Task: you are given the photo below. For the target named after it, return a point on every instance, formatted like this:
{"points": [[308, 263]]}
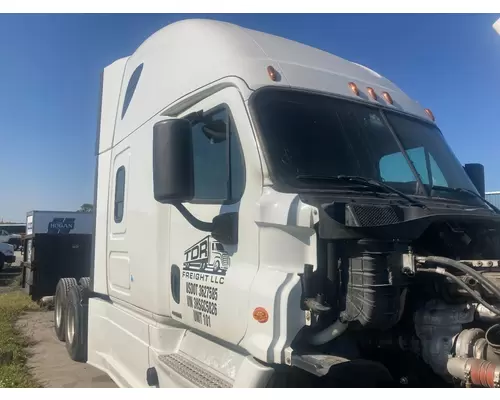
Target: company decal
{"points": [[204, 269], [29, 225], [61, 225]]}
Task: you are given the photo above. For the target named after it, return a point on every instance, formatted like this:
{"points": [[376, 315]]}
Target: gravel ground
{"points": [[49, 361]]}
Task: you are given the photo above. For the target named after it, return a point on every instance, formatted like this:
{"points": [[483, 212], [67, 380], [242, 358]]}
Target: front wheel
{"points": [[217, 266], [2, 261]]}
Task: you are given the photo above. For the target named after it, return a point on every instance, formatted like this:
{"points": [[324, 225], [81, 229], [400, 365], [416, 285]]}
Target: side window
{"points": [[417, 157], [438, 178], [119, 194], [218, 161], [394, 168], [132, 85]]}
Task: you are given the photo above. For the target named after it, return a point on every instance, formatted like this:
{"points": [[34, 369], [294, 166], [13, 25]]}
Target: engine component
{"points": [[483, 314], [474, 343], [482, 263], [493, 339], [328, 334], [492, 274], [468, 342], [485, 282], [461, 283], [375, 286], [436, 324], [475, 372], [409, 267]]}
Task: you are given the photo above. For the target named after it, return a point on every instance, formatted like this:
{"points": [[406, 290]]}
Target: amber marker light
{"points": [[260, 315], [372, 93], [273, 74], [354, 88], [387, 97], [430, 114]]}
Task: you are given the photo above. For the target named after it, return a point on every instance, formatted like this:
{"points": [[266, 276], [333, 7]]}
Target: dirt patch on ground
{"points": [[49, 361]]}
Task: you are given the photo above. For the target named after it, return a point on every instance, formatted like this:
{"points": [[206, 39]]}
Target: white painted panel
{"points": [[119, 271], [62, 222]]}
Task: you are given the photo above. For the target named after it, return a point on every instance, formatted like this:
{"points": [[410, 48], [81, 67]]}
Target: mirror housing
{"points": [[173, 166], [225, 228], [173, 176], [476, 175]]}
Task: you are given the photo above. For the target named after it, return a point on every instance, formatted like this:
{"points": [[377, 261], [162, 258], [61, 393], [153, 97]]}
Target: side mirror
{"points": [[476, 175], [173, 169]]}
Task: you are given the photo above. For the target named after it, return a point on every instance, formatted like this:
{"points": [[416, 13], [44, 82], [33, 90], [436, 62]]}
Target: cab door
{"points": [[215, 277]]}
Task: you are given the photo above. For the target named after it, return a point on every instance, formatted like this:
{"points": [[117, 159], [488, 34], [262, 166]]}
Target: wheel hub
{"points": [[58, 313], [70, 327]]}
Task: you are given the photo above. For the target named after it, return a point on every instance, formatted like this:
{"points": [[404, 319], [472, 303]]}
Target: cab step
{"points": [[189, 369]]}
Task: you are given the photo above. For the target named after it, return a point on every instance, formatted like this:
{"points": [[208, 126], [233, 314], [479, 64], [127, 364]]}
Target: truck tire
{"points": [[76, 324], [2, 261], [84, 282], [62, 289], [217, 266]]}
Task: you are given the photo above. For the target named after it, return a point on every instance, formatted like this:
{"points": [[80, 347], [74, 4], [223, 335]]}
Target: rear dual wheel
{"points": [[60, 300], [76, 318]]}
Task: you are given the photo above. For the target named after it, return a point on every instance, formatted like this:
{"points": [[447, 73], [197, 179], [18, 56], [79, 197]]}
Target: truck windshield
{"points": [[318, 136]]}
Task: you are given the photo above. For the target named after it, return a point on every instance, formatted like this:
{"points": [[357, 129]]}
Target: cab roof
{"points": [[188, 55]]}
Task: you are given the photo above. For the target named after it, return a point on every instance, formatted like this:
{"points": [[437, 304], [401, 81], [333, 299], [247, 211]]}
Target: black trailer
{"points": [[57, 245]]}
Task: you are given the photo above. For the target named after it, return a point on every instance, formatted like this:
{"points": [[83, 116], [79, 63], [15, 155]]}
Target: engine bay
{"points": [[424, 303]]}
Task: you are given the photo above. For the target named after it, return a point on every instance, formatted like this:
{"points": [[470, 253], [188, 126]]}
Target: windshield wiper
{"points": [[466, 191], [366, 182]]}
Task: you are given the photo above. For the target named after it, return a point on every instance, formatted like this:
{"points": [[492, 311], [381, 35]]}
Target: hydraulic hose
{"points": [[331, 332], [464, 286], [465, 269]]}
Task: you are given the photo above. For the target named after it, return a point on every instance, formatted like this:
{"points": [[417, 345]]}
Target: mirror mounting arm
{"points": [[195, 222]]}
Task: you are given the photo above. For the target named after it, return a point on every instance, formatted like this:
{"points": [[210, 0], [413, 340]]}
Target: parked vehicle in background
{"points": [[12, 233], [7, 255], [4, 236], [12, 239], [58, 244]]}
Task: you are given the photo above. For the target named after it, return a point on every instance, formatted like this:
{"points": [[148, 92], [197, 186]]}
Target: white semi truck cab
{"points": [[307, 225]]}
